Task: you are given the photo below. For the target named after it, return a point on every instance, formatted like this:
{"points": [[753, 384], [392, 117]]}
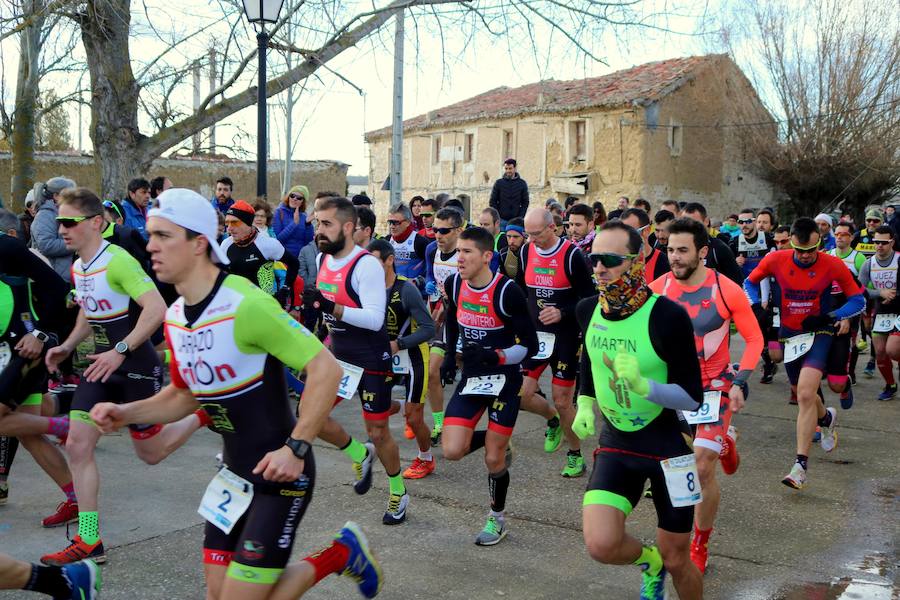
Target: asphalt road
{"points": [[837, 539]]}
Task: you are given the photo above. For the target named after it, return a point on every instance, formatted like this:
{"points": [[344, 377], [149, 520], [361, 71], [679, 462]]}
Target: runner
{"points": [[489, 219], [555, 277], [510, 262], [440, 261], [712, 302], [32, 309], [409, 328], [750, 245], [863, 241], [656, 263], [765, 221], [638, 373], [110, 285], [349, 291], [805, 278], [719, 257], [878, 277], [844, 347], [581, 227], [484, 310], [409, 247], [78, 581], [230, 343], [426, 213]]}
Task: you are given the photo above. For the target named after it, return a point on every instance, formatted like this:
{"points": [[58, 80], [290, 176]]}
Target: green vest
{"points": [[6, 307], [624, 409]]}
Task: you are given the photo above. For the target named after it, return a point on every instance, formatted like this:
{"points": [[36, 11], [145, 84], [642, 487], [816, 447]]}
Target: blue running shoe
{"points": [[361, 564], [85, 579], [654, 586], [888, 393], [847, 397]]}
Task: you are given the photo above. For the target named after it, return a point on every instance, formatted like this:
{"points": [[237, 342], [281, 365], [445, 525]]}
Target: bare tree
{"points": [[830, 70]]}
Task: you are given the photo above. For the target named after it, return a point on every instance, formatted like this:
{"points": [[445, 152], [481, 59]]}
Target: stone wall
{"points": [[196, 174]]}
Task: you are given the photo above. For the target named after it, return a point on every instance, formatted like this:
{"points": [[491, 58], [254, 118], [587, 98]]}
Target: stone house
{"points": [[670, 129]]}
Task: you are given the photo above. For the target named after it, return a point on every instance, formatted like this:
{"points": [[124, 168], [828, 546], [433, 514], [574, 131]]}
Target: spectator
{"points": [[671, 206], [661, 219], [826, 238], [365, 227], [415, 206], [361, 199], [262, 218], [427, 214], [510, 194], [222, 201], [135, 205], [621, 206], [45, 230], [643, 205], [549, 202], [290, 222], [308, 271], [570, 202], [27, 217], [158, 185], [220, 228], [730, 226], [440, 200], [599, 214]]}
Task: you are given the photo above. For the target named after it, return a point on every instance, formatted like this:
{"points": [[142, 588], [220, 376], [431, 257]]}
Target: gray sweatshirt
{"points": [[45, 239]]}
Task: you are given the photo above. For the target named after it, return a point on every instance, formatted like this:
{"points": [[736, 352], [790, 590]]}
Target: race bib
{"points": [[227, 497], [459, 345], [400, 363], [486, 385], [884, 323], [546, 343], [5, 355], [350, 380], [797, 346], [682, 480], [776, 317], [708, 411]]}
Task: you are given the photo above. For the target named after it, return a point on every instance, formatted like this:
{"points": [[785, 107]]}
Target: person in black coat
{"points": [[510, 194]]}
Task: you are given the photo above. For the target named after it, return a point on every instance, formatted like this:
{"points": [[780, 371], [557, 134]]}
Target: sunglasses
{"points": [[295, 197], [609, 259], [882, 242], [112, 206], [70, 222], [873, 220], [443, 230], [395, 223], [745, 221], [426, 214], [807, 250], [783, 242]]}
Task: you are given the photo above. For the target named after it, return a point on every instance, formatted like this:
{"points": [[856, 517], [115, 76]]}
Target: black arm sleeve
{"points": [[293, 267], [672, 334], [451, 325], [415, 305], [725, 263], [48, 289], [512, 301], [583, 312], [523, 260]]}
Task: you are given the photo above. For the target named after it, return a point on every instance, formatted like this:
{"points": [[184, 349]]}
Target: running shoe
{"points": [[361, 564], [396, 512], [653, 586], [862, 345], [552, 438], [75, 552], [436, 435], [869, 371], [419, 469], [888, 393], [363, 470], [66, 512], [769, 373], [408, 432], [85, 579], [700, 554], [729, 456], [829, 434], [575, 466], [494, 531], [4, 493], [847, 397], [796, 478], [68, 383]]}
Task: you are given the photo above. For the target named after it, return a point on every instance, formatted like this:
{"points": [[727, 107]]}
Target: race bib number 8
{"points": [[884, 323], [682, 480], [546, 343], [350, 380], [486, 385], [400, 363], [708, 411], [797, 346], [226, 499]]}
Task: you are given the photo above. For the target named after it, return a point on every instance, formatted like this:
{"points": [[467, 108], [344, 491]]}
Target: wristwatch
{"points": [[122, 348], [300, 448], [40, 335]]}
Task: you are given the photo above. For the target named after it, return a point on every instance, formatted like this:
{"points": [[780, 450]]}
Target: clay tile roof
{"points": [[638, 85]]}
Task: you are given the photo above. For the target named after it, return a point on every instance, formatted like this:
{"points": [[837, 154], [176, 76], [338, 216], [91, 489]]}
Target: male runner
{"points": [[581, 227], [427, 213], [440, 261], [878, 277], [122, 308], [636, 370], [230, 343], [845, 346], [78, 581], [489, 220], [805, 276], [32, 313], [750, 245], [765, 221], [410, 328], [720, 256], [555, 277], [712, 302], [510, 262], [485, 310], [409, 247], [349, 291], [863, 241], [656, 263]]}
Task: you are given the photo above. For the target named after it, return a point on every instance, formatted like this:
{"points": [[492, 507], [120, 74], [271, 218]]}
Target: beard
{"points": [[689, 269], [328, 247]]}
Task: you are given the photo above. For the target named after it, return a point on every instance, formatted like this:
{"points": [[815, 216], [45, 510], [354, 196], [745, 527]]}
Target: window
{"points": [[469, 147], [675, 138], [577, 141], [507, 144], [436, 149]]}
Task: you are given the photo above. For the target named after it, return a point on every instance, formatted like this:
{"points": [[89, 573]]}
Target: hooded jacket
{"points": [[293, 236], [45, 239]]}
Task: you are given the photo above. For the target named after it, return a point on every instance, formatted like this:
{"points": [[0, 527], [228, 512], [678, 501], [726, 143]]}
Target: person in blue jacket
{"points": [[290, 222]]}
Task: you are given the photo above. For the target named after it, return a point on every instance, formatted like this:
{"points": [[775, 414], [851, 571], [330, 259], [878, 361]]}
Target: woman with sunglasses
{"points": [[635, 368], [290, 223]]}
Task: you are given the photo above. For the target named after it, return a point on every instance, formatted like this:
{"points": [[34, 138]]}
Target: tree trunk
{"points": [[22, 141], [114, 99]]}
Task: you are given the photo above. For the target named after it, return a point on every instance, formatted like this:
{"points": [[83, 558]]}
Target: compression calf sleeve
{"points": [[49, 580], [8, 448], [355, 450], [498, 484]]}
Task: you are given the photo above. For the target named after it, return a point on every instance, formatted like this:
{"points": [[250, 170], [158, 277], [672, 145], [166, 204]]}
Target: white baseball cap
{"points": [[192, 211], [825, 219]]}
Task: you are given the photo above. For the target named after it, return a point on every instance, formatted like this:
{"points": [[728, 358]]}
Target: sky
{"points": [[443, 65]]}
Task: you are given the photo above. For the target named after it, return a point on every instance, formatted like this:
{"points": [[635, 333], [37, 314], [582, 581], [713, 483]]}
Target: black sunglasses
{"points": [[609, 259], [394, 223], [70, 222], [882, 242], [295, 197], [745, 221]]}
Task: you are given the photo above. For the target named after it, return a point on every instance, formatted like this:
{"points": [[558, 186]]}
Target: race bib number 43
{"points": [[682, 480], [227, 497], [884, 323]]}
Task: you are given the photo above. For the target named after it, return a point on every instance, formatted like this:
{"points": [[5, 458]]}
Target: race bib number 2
{"points": [[682, 480], [486, 385], [226, 499]]}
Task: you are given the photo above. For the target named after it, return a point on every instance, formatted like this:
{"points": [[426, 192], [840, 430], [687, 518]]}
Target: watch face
{"points": [[121, 347]]}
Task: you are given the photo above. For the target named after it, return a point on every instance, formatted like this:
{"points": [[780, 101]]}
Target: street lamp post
{"points": [[260, 12]]}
